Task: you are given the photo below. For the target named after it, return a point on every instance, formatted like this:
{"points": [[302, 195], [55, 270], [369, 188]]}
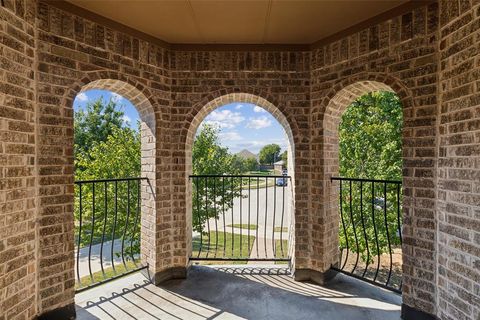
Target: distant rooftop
{"points": [[246, 154]]}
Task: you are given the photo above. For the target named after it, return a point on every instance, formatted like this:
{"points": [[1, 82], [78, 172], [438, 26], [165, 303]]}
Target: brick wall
{"points": [[433, 68], [459, 162], [75, 54], [277, 81], [398, 55], [18, 267]]}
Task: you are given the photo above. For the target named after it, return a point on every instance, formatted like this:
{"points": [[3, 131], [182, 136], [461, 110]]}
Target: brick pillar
{"points": [[458, 186], [18, 204]]}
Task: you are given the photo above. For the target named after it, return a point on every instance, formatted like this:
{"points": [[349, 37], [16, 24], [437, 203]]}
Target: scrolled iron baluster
{"points": [[79, 231], [214, 196], [388, 233], [364, 229], [91, 234], [104, 225], [126, 225], [344, 227], [375, 231], [137, 216], [266, 215]]}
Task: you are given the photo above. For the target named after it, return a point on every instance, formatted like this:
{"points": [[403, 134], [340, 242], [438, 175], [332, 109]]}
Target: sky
{"points": [[131, 114], [242, 125]]}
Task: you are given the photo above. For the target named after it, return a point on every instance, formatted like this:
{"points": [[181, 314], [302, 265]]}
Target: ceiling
{"points": [[239, 22]]}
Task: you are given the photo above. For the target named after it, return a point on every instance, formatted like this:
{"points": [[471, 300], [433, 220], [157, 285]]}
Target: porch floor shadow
{"points": [[238, 292]]}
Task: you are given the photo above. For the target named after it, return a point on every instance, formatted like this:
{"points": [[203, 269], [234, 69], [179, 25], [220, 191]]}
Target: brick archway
{"points": [[219, 99], [334, 104], [143, 101]]}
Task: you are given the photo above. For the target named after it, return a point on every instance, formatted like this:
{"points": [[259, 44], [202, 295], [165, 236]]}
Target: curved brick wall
{"points": [[429, 57]]}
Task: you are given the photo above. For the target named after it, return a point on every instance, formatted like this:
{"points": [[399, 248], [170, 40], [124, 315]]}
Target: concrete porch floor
{"points": [[237, 292]]}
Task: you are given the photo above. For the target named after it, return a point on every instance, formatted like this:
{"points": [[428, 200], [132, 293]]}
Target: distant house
{"points": [[245, 154], [279, 166]]}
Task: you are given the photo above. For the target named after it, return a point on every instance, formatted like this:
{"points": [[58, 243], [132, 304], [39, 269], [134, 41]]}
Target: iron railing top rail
{"points": [[110, 180], [365, 180], [236, 176]]}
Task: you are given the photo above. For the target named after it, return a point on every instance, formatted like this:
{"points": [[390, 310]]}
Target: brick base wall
{"points": [[428, 56]]}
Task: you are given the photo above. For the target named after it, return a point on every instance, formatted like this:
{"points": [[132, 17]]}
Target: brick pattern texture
{"points": [[74, 55], [398, 55], [429, 57], [458, 188], [18, 202]]}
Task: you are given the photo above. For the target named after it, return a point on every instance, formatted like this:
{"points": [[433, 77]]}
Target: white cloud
{"points": [[230, 136], [116, 97], [238, 106], [82, 96], [258, 109], [256, 145], [259, 123], [224, 119], [127, 119]]}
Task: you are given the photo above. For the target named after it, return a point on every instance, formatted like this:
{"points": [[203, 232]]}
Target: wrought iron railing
{"points": [[371, 230], [241, 217], [107, 230]]}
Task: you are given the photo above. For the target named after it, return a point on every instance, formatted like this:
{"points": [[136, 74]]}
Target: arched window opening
{"points": [[110, 184], [370, 175], [241, 186]]}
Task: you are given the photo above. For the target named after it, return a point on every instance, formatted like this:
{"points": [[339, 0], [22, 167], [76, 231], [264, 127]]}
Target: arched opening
{"points": [[251, 228], [364, 130], [114, 205]]}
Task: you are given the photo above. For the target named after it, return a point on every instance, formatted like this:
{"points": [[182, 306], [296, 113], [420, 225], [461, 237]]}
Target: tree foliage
{"points": [[95, 124], [250, 164], [284, 157], [371, 148], [269, 153], [116, 157], [212, 196], [371, 137], [105, 147]]}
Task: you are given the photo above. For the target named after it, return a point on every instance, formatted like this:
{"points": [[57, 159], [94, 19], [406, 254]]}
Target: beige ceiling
{"points": [[239, 22]]}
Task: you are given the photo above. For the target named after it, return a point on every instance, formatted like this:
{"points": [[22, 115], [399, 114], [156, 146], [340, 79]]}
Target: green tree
{"points": [[269, 153], [284, 157], [95, 124], [251, 164], [239, 164], [116, 157], [110, 210], [371, 137], [371, 148], [105, 147], [212, 195]]}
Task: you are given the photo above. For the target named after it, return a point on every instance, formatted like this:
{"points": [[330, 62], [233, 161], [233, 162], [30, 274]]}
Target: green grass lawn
{"points": [[243, 226], [257, 184], [260, 173], [109, 273], [280, 229], [278, 250], [220, 246]]}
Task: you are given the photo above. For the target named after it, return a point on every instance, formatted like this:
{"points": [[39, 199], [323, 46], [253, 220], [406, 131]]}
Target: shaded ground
{"points": [[382, 264], [233, 292]]}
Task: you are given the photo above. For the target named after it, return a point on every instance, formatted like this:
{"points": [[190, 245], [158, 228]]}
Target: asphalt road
{"points": [[262, 207], [270, 207]]}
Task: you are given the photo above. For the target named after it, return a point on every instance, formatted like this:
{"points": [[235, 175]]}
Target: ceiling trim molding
{"points": [[397, 11], [382, 17], [109, 23], [238, 47]]}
